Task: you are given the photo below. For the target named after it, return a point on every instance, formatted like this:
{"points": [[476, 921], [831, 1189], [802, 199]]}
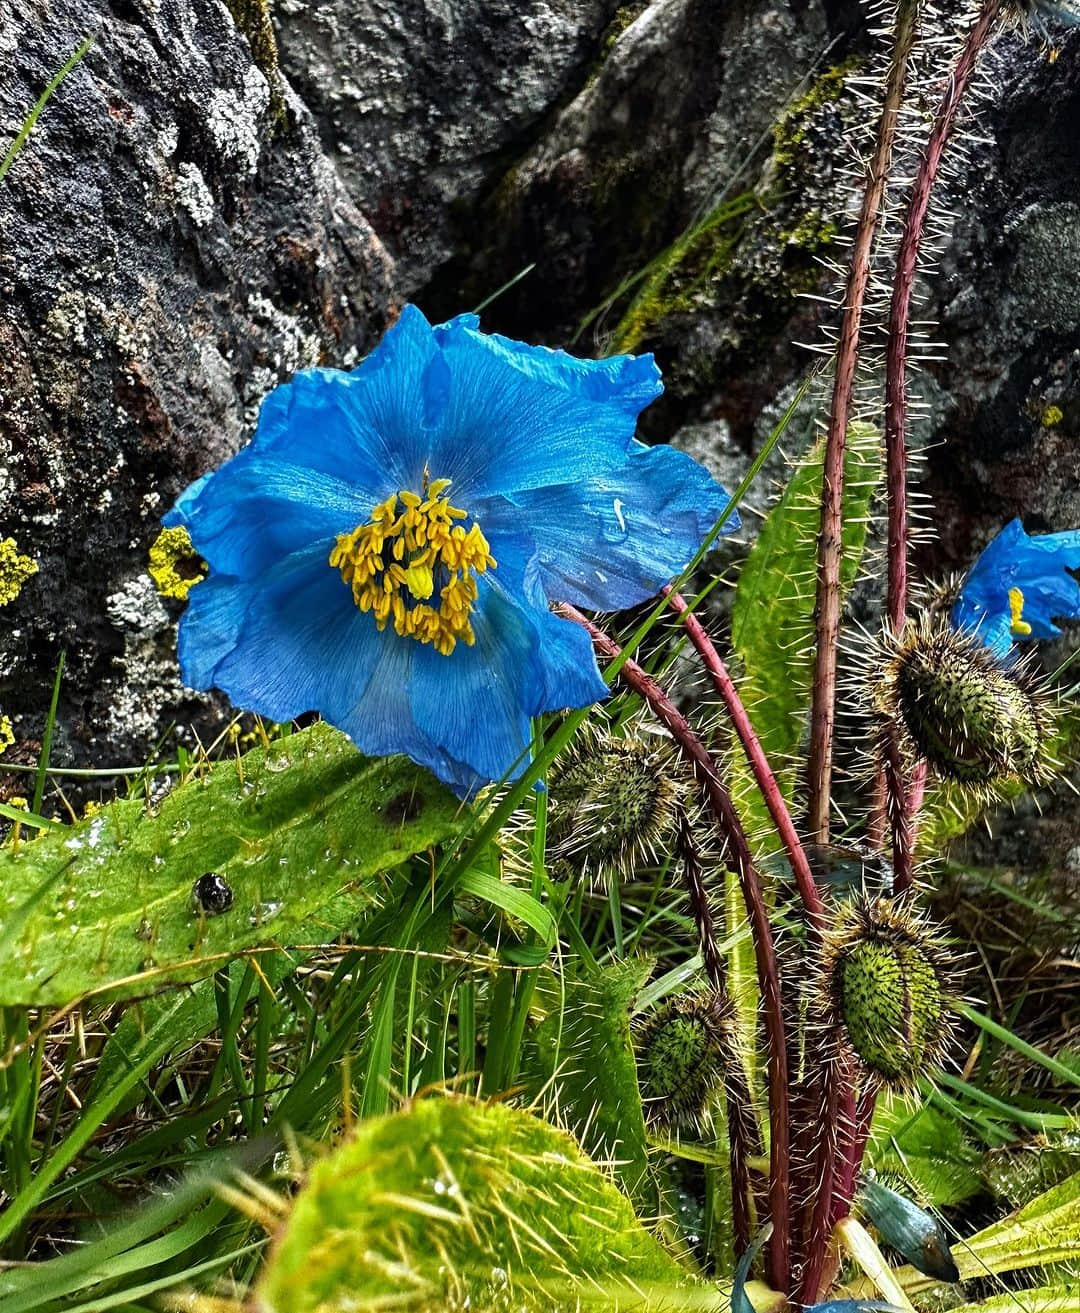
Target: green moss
{"points": [[766, 239], [792, 127], [252, 18], [685, 272]]}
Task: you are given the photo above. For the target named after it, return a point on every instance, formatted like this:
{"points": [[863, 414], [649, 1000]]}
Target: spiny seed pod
{"points": [[886, 975], [955, 706], [612, 801], [682, 1048]]}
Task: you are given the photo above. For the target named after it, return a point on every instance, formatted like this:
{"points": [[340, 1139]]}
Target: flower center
{"points": [[398, 560]]}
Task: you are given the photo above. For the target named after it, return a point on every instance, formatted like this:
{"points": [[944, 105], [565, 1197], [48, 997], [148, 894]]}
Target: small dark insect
{"points": [[213, 894], [405, 807]]}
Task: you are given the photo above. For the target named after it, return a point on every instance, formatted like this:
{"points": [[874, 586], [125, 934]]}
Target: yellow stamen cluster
{"points": [[1019, 627], [395, 562]]}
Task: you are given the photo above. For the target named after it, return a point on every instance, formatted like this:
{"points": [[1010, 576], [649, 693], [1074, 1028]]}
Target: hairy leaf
{"points": [[302, 834], [454, 1205], [583, 1068]]}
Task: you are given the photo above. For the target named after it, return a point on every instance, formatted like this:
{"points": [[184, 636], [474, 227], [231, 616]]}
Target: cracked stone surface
{"points": [[171, 247]]}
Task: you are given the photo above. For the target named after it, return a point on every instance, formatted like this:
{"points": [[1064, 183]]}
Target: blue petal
{"points": [[479, 701], [369, 424], [292, 641], [298, 642], [257, 509], [504, 423], [1038, 568], [629, 382], [611, 540]]}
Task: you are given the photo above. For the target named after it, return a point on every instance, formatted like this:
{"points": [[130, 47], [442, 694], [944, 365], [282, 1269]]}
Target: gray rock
{"points": [[170, 251], [419, 101], [171, 245]]}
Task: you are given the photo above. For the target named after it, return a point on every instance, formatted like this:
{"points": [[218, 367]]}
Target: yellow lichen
{"points": [[175, 566], [14, 571], [7, 734], [1052, 416]]}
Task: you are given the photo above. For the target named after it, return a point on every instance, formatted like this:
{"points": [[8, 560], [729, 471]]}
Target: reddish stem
{"points": [[755, 755], [832, 1135], [899, 809], [743, 1139], [738, 854], [830, 540], [851, 1160]]}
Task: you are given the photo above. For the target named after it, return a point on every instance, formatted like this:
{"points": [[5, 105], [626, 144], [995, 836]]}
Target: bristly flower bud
{"points": [[682, 1049], [612, 801], [886, 977], [972, 719]]}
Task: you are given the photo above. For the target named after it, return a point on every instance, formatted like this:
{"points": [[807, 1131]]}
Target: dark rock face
{"points": [[171, 245], [418, 102], [168, 254]]}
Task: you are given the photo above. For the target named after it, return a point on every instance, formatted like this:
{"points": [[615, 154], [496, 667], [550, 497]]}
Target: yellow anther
{"points": [[395, 563], [1019, 628]]}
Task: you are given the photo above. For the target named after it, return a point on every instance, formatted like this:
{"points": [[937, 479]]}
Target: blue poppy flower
{"points": [[386, 548], [1018, 587]]}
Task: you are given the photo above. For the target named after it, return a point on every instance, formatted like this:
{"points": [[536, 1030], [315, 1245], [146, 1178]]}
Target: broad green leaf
{"points": [[581, 1065], [452, 1205], [927, 1148], [1063, 1298], [303, 832]]}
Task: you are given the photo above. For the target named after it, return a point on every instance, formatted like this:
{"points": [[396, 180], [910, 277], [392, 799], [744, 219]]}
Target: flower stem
{"points": [[830, 540], [755, 755], [737, 852], [743, 1139], [898, 807], [833, 1128]]}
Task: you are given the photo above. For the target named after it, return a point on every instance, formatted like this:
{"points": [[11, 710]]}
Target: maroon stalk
{"points": [[738, 854], [899, 809], [834, 1132], [830, 542], [755, 755], [743, 1139]]}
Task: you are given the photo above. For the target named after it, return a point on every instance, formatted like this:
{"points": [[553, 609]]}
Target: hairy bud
{"points": [[973, 720], [887, 985], [612, 801], [681, 1051]]}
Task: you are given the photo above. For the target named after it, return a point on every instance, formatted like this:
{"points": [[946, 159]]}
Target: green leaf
{"points": [[454, 1204], [772, 618], [581, 1065], [1063, 1298], [303, 832], [925, 1147]]}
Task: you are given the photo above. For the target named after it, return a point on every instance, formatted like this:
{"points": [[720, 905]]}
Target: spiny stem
{"points": [[835, 1131], [830, 540], [755, 755], [898, 807], [844, 1190], [738, 854], [743, 1140]]}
